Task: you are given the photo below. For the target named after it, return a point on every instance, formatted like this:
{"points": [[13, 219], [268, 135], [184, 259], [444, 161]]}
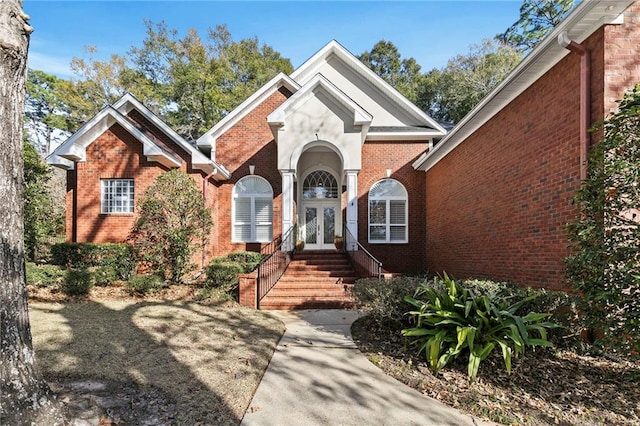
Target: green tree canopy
{"points": [[537, 19], [403, 74], [449, 93]]}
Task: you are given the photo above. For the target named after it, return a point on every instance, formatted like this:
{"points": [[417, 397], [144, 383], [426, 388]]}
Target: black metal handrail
{"points": [[365, 264], [273, 266]]}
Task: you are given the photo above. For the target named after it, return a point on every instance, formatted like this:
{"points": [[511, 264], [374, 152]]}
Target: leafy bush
{"points": [[384, 300], [77, 282], [85, 255], [248, 259], [453, 320], [104, 275], [45, 275], [223, 274], [145, 283], [172, 224], [605, 265]]}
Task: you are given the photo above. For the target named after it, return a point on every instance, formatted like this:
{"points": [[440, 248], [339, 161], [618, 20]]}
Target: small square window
{"points": [[116, 196]]}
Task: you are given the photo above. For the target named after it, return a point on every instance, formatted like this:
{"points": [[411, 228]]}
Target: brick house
{"points": [[334, 149], [500, 185]]}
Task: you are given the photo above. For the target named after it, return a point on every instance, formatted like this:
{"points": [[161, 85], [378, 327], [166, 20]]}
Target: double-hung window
{"points": [[116, 196], [252, 210], [388, 212]]}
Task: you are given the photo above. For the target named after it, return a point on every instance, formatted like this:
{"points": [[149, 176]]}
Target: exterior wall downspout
{"points": [[205, 184], [585, 98]]}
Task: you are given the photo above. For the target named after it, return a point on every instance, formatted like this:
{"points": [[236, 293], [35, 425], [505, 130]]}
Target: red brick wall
{"points": [[622, 57], [377, 157], [498, 204], [248, 142], [114, 154]]}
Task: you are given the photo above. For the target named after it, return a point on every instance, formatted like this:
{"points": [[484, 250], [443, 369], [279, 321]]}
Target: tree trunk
{"points": [[25, 397]]}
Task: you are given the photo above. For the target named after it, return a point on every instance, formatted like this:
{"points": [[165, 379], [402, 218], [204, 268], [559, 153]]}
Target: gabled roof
{"points": [[583, 21], [208, 140], [311, 67], [74, 148], [319, 82]]}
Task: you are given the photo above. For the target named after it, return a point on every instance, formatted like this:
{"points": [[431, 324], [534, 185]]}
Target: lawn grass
{"points": [[208, 359]]}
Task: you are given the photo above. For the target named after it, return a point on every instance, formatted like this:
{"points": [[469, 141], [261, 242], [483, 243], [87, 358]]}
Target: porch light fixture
{"points": [[252, 169]]}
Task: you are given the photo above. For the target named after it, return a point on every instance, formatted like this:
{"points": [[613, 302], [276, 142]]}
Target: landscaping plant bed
{"points": [[151, 360], [546, 387]]}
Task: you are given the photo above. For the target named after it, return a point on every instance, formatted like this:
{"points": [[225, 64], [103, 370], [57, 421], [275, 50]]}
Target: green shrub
{"points": [[453, 320], [77, 282], [248, 259], [223, 275], [104, 275], [384, 300], [45, 275], [85, 255], [145, 283]]}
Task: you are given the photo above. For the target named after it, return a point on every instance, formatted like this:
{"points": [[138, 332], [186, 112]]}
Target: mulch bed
{"points": [[546, 387]]}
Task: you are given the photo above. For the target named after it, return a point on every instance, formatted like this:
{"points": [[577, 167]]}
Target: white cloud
{"points": [[58, 66]]}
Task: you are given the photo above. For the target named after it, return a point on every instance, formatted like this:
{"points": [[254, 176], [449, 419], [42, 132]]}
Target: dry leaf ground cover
{"points": [[200, 363], [545, 388]]}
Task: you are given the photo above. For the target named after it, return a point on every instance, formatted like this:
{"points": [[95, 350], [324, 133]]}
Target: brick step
{"points": [[322, 262], [306, 303], [312, 268], [315, 293], [317, 279], [313, 284], [319, 274]]}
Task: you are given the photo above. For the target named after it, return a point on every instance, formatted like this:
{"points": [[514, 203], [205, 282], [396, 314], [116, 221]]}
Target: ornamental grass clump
{"points": [[452, 321]]}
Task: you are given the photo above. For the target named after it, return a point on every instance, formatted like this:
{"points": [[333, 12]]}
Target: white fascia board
{"points": [[60, 162], [208, 140], [403, 136], [198, 160], [578, 25], [308, 69], [360, 116]]}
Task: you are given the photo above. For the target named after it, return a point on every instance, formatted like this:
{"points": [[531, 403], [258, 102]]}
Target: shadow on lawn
{"points": [[208, 360]]}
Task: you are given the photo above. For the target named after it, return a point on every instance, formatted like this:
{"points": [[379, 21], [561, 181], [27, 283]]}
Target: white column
{"points": [[352, 207], [287, 206]]}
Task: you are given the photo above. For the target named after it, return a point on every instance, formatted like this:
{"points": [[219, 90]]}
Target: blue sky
{"points": [[430, 31]]}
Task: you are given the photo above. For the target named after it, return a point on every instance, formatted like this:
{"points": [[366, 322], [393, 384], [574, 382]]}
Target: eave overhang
{"points": [[585, 19], [361, 118]]}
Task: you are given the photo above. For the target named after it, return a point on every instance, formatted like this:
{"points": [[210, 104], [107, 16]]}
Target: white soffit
{"points": [[208, 140], [584, 20], [312, 66]]}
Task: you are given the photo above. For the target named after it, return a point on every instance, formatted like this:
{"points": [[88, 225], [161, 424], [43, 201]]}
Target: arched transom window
{"points": [[252, 210], [388, 212], [319, 184]]}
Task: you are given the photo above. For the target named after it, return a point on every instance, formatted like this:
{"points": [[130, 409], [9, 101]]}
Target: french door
{"points": [[319, 225]]}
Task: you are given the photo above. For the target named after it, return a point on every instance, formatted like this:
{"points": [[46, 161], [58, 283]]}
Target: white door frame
{"points": [[321, 242]]}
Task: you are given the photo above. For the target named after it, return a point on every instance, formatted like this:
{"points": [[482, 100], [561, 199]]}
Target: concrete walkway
{"points": [[317, 376]]}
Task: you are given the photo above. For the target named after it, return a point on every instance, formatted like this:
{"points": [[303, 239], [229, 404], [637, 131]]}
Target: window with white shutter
{"points": [[252, 210], [388, 212]]}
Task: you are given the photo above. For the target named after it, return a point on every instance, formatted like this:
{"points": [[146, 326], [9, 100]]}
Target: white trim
{"points": [[75, 148], [586, 18], [60, 162], [208, 140], [403, 136], [387, 200], [199, 161], [361, 117], [308, 70], [252, 224]]}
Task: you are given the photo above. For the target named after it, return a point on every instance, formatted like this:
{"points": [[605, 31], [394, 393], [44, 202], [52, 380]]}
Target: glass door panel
{"points": [[329, 225], [311, 225]]}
